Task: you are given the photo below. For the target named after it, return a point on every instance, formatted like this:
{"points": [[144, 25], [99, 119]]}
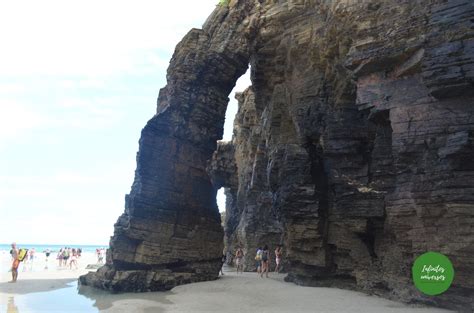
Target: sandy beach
{"points": [[40, 276], [38, 290]]}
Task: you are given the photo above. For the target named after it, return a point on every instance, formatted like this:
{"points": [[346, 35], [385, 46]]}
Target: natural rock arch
{"points": [[170, 232], [354, 148]]}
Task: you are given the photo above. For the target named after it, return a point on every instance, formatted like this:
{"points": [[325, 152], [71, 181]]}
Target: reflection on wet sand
{"points": [[230, 293], [11, 307], [141, 302], [67, 296]]}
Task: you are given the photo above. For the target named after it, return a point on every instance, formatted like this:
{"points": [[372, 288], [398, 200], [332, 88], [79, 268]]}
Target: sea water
{"points": [[40, 263], [52, 248]]}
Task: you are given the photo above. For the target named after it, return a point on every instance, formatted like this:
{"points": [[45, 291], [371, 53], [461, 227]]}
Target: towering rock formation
{"points": [[170, 232], [353, 147]]}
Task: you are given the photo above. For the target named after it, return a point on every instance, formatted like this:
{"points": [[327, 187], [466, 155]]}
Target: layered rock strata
{"points": [[170, 232], [352, 148]]}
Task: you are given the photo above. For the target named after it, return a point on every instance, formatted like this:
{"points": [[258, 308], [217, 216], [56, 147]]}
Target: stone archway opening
{"points": [[221, 198], [222, 168], [242, 83]]}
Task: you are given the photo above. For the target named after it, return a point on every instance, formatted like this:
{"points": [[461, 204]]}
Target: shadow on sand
{"points": [[26, 286]]}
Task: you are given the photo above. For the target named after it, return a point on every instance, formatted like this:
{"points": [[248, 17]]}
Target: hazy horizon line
{"points": [[53, 244]]}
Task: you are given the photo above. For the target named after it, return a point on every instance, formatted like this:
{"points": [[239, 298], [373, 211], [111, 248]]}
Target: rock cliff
{"points": [[353, 148]]}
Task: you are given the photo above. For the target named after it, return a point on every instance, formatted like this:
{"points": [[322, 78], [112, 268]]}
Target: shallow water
{"points": [[84, 300], [60, 300], [104, 300]]}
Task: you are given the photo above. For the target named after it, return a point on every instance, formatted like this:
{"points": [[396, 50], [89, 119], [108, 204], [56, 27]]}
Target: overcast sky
{"points": [[78, 81]]}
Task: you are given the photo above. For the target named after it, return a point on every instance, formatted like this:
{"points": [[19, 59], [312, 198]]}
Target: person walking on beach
{"points": [[47, 253], [265, 261], [258, 259], [60, 257], [73, 259], [15, 263], [31, 258], [278, 254], [100, 255], [32, 255], [223, 262], [66, 254], [239, 260]]}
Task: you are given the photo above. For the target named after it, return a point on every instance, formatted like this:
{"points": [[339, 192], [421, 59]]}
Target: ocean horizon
{"points": [[52, 247]]}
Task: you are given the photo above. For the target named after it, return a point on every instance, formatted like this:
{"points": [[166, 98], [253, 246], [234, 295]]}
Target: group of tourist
{"points": [[262, 260], [68, 256]]}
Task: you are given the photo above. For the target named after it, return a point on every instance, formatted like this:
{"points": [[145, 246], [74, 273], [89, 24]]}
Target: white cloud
{"points": [[62, 57], [82, 83], [64, 202], [22, 192], [16, 119], [90, 37], [89, 113], [71, 177], [56, 229], [11, 88], [115, 172]]}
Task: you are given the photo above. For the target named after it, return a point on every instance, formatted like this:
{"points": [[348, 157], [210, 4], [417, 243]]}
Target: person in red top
{"points": [[15, 264]]}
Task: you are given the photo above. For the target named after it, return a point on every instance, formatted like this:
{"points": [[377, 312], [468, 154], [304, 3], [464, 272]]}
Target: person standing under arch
{"points": [[258, 260], [278, 254], [239, 260], [265, 261]]}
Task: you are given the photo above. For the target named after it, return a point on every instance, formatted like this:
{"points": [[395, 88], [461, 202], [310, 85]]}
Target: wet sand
{"points": [[250, 293], [37, 278], [56, 290], [40, 276]]}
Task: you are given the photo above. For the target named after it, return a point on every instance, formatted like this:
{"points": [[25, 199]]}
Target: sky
{"points": [[78, 81]]}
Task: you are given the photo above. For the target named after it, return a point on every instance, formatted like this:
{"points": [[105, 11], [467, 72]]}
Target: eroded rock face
{"points": [[170, 232], [353, 148]]}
